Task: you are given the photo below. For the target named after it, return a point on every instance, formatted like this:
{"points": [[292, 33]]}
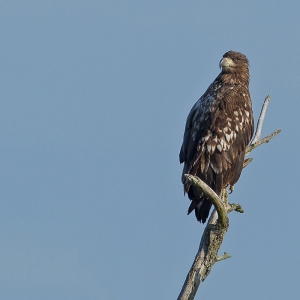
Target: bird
{"points": [[218, 129]]}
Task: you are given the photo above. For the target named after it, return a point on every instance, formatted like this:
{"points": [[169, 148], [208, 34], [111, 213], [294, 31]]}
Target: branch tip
{"points": [[247, 162], [261, 120], [266, 139], [235, 207], [224, 256]]}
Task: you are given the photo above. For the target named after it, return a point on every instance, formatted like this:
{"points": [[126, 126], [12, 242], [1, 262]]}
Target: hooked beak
{"points": [[226, 62]]}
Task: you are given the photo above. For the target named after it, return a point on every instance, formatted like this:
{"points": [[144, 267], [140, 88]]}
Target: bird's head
{"points": [[234, 62]]}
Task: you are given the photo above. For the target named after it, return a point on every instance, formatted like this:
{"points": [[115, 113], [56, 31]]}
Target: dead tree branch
{"points": [[262, 141], [218, 223], [261, 120], [256, 139]]}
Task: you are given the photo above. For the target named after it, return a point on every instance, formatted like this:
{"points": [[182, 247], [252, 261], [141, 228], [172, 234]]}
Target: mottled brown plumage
{"points": [[217, 131]]}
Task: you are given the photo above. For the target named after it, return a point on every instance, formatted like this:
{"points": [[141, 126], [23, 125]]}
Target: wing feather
{"points": [[218, 129]]}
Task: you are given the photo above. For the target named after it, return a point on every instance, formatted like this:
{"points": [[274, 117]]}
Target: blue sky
{"points": [[94, 98]]}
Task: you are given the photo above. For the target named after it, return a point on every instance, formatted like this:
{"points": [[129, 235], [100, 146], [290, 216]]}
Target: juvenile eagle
{"points": [[217, 131]]}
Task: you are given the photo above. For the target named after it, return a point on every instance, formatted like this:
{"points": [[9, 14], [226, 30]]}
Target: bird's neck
{"points": [[235, 78]]}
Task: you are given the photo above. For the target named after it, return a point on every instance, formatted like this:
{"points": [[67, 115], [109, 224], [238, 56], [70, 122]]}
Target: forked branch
{"points": [[256, 139], [262, 141]]}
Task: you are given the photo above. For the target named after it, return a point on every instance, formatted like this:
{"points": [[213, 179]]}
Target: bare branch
{"points": [[224, 256], [262, 141], [261, 120], [210, 244], [247, 162], [256, 139], [234, 207]]}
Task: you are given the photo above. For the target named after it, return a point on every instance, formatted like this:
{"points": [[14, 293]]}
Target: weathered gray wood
{"points": [[260, 121]]}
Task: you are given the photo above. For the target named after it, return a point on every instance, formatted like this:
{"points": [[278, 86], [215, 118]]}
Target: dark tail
{"points": [[201, 207]]}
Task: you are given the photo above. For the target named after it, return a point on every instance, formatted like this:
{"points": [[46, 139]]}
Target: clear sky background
{"points": [[94, 99]]}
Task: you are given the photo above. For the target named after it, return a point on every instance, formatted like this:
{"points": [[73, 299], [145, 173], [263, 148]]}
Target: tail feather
{"points": [[193, 205], [201, 208]]}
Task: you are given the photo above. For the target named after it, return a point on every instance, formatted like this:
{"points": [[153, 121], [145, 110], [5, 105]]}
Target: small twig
{"points": [[261, 120], [256, 139], [247, 162], [234, 207], [224, 256], [211, 195], [262, 141]]}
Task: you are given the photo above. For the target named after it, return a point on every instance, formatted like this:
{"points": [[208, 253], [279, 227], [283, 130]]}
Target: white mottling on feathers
{"points": [[217, 171], [223, 136], [228, 137]]}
